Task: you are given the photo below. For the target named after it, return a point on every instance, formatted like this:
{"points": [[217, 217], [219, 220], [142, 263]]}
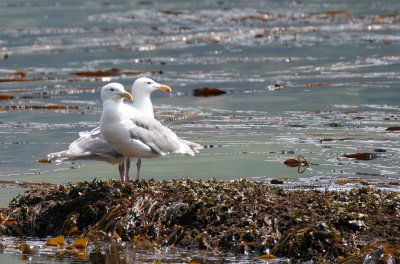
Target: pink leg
{"points": [[121, 168], [138, 164], [127, 167]]}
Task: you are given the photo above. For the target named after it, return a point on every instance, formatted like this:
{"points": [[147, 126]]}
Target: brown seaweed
{"points": [[38, 107], [300, 163], [99, 73], [111, 73], [220, 216], [5, 97], [322, 84]]}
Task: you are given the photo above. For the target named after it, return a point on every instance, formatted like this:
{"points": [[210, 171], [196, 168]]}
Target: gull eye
{"points": [[112, 90], [148, 82]]}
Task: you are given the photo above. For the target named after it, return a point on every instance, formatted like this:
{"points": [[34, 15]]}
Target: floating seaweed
{"points": [[301, 164], [334, 139], [111, 73], [38, 107], [44, 161], [57, 241], [180, 117], [24, 184], [324, 84], [5, 97], [335, 12], [20, 76], [99, 73]]}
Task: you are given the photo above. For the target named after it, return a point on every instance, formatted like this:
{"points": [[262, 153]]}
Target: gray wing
{"points": [[160, 139], [89, 146]]}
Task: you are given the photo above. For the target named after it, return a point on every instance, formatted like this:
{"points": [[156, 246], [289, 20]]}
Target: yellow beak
{"points": [[126, 95], [165, 88]]}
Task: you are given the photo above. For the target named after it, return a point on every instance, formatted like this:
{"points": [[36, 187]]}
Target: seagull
{"points": [[92, 146], [135, 134]]}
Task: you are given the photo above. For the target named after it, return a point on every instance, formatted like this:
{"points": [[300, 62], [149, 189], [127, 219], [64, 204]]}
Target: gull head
{"points": [[115, 92], [146, 85]]}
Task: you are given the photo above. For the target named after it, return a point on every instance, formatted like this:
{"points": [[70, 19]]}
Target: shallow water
{"points": [[113, 252], [337, 64]]}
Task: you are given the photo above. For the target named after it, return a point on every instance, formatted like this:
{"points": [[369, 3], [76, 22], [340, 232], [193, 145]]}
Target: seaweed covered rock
{"points": [[237, 216]]}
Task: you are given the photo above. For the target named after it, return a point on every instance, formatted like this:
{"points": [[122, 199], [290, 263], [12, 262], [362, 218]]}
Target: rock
{"points": [[380, 150], [207, 92], [334, 125], [362, 156], [276, 181], [393, 128]]}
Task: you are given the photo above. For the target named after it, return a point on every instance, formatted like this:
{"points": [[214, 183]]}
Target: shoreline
{"points": [[236, 216]]}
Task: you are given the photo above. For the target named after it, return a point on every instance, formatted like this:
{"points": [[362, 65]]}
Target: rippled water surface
{"points": [[313, 78], [113, 252]]}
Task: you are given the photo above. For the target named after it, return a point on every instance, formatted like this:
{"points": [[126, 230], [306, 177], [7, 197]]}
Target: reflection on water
{"points": [[115, 252], [334, 68]]}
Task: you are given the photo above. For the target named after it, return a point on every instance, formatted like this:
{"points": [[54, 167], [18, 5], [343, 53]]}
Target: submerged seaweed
{"points": [[239, 216]]}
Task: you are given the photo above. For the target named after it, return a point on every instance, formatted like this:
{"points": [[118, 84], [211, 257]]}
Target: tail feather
{"points": [[68, 155], [190, 148], [89, 146], [65, 155]]}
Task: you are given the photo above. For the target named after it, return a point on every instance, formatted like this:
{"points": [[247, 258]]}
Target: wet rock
{"points": [[298, 125], [380, 150], [173, 12], [362, 156], [276, 181], [288, 152], [393, 128], [334, 125], [207, 92]]}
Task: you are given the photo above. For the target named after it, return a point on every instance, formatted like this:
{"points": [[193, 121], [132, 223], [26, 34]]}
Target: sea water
{"points": [[313, 79]]}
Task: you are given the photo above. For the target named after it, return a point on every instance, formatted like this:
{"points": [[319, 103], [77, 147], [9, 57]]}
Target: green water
{"points": [[338, 68]]}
